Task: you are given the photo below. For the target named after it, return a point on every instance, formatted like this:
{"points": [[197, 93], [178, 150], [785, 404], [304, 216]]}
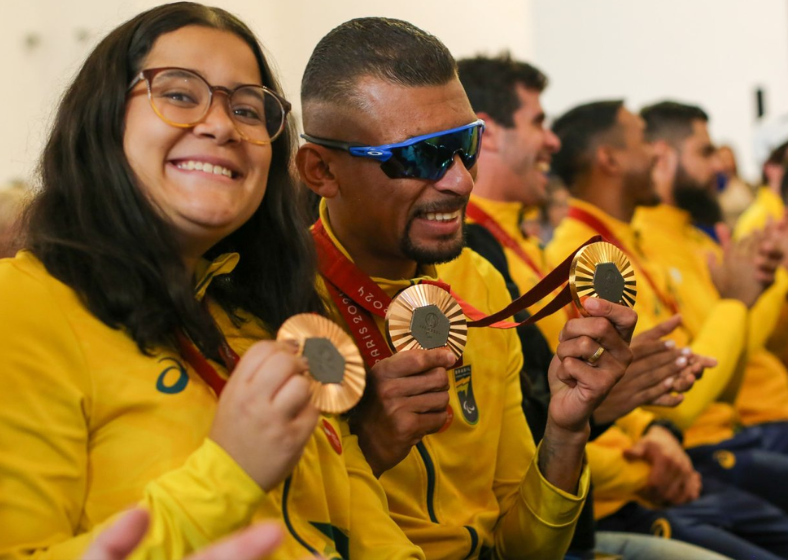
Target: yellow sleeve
{"points": [[765, 314], [634, 423], [723, 336], [614, 477], [45, 415], [537, 519], [374, 534]]}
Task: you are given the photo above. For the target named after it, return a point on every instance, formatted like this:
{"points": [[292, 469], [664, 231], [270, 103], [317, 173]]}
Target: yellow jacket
{"points": [[507, 215], [476, 485], [767, 206], [91, 426], [668, 236]]}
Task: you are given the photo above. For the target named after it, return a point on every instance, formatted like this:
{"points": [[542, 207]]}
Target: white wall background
{"points": [[65, 31], [713, 52]]}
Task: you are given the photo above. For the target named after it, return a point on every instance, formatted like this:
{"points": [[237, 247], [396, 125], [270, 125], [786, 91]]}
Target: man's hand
{"points": [[120, 540], [577, 386], [658, 374], [748, 265], [673, 480], [406, 399]]}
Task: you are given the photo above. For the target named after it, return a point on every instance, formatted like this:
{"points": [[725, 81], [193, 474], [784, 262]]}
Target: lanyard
{"points": [[197, 361], [486, 221], [359, 298], [596, 224]]}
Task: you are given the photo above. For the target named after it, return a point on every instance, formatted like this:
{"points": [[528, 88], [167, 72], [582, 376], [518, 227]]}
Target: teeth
{"points": [[442, 216], [543, 166], [205, 168]]}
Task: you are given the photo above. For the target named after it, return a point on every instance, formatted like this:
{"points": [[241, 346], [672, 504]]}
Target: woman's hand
{"points": [[264, 417]]}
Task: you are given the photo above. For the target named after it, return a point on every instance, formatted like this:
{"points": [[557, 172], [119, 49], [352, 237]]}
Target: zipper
{"points": [[288, 523], [474, 540], [429, 466]]}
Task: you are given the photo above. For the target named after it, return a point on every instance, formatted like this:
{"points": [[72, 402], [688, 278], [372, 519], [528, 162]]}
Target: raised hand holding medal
{"points": [[336, 370]]}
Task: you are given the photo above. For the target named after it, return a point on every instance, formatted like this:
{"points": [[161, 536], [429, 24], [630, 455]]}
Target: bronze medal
{"points": [[425, 316], [336, 369], [602, 270]]}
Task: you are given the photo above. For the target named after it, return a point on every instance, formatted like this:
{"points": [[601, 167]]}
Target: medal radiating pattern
{"points": [[336, 370], [426, 316], [602, 270]]}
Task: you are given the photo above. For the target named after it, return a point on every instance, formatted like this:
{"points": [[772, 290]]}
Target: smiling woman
{"points": [[164, 243]]}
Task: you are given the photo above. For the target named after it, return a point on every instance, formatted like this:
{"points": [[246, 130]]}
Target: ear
{"points": [[492, 133], [607, 159], [314, 167], [667, 161]]}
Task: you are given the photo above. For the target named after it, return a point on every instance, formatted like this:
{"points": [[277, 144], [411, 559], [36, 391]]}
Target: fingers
{"points": [[255, 362], [414, 362], [121, 538], [430, 402], [249, 544], [588, 333], [643, 348], [663, 329], [668, 400], [723, 235], [623, 318], [293, 396]]}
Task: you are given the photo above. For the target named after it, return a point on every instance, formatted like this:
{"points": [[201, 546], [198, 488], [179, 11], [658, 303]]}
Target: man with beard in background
{"points": [[670, 236]]}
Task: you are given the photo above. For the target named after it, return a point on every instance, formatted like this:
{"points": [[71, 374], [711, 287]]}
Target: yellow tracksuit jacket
{"points": [[90, 426], [668, 237], [767, 206], [722, 335], [476, 484]]}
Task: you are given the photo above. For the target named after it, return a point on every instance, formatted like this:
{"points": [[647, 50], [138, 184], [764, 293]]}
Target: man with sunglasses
{"points": [[391, 146]]}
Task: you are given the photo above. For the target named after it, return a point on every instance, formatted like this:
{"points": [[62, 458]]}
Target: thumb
{"points": [[723, 235], [121, 538], [636, 452]]}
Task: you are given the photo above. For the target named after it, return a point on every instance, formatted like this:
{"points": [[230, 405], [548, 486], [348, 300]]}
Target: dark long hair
{"points": [[94, 229]]}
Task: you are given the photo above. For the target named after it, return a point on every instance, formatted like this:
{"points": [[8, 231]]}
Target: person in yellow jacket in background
{"points": [[607, 165], [391, 147], [165, 222], [684, 181]]}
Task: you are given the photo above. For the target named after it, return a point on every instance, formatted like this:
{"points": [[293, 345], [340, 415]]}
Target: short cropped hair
{"points": [[389, 49], [491, 84], [671, 121], [581, 130]]}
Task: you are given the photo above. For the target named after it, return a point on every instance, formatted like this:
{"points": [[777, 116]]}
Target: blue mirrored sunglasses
{"points": [[423, 157]]}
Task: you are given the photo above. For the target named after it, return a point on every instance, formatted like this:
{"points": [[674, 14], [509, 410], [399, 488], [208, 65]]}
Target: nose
{"points": [[551, 141], [217, 123], [457, 179]]}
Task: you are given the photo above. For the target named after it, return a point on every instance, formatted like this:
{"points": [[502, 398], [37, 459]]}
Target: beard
{"points": [[697, 199], [446, 250]]}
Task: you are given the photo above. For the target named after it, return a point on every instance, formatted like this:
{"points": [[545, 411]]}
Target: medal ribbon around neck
{"points": [[202, 366], [358, 297], [597, 225]]}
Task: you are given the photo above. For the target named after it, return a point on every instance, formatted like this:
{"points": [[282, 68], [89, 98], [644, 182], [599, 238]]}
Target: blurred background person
{"points": [[12, 202], [735, 194]]}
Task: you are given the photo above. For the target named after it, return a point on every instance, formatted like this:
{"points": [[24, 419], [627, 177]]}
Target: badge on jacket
{"points": [[462, 382]]}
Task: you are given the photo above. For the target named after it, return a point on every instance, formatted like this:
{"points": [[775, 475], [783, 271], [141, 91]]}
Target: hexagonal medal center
{"points": [[608, 282], [326, 364], [430, 327]]}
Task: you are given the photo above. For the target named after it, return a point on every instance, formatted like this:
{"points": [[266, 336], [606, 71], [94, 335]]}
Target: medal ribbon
{"points": [[358, 298], [202, 366], [596, 224], [474, 212], [486, 221]]}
